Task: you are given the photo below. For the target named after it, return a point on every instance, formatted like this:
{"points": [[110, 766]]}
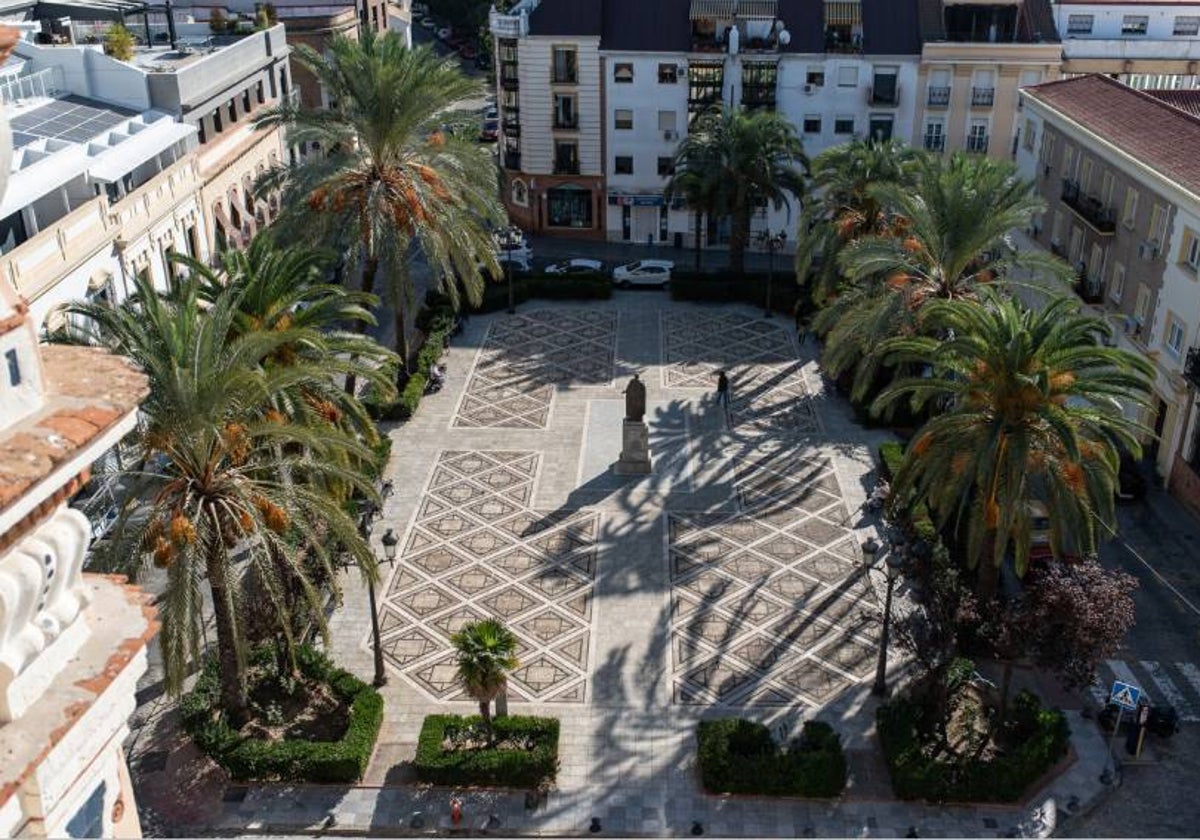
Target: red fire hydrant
{"points": [[455, 810]]}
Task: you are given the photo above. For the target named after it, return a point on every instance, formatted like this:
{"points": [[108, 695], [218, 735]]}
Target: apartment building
{"points": [[1145, 44], [595, 97], [975, 56], [72, 645], [1118, 170], [118, 164]]}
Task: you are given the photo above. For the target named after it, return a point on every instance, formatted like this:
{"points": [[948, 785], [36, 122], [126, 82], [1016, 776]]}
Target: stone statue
{"points": [[635, 399]]}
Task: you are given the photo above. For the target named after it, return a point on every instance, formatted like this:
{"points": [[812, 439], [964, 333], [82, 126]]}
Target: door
{"points": [[1160, 423], [645, 224]]}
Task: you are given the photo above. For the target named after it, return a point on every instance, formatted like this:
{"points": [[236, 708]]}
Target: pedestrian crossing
{"points": [[1163, 683]]}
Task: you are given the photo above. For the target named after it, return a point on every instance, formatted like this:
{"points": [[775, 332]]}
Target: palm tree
{"points": [[388, 179], [695, 185], [486, 655], [216, 479], [748, 157], [949, 242], [1032, 413], [847, 208]]}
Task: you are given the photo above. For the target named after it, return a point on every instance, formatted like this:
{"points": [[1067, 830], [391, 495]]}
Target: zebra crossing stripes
{"points": [[1170, 693], [1178, 686], [1190, 673]]}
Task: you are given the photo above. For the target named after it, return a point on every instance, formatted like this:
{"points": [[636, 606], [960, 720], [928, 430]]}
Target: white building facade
{"points": [[1151, 45]]}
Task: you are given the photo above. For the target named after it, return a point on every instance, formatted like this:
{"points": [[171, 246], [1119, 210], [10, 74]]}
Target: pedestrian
{"points": [[722, 389]]}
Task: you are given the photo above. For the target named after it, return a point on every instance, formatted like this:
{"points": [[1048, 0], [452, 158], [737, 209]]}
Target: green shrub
{"points": [[1042, 737], [740, 756], [289, 760], [891, 457], [786, 295], [517, 768], [546, 286]]}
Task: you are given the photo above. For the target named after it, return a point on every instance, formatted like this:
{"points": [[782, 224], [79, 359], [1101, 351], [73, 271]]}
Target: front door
{"points": [[1160, 422], [645, 224]]}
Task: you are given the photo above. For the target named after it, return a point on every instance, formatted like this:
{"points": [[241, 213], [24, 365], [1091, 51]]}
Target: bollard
{"points": [[455, 810]]}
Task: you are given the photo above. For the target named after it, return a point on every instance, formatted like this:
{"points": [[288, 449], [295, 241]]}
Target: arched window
{"points": [[520, 193]]}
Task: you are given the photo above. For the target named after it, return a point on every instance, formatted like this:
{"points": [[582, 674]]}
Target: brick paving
{"points": [[729, 581]]}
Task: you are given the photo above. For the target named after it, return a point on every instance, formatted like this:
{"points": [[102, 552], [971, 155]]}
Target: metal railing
{"points": [[43, 83], [983, 97], [1088, 208], [939, 97]]}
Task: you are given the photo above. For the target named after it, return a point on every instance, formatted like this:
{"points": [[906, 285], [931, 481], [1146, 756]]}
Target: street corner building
{"points": [[72, 645]]}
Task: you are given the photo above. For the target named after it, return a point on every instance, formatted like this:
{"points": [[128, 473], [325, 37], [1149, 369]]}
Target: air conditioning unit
{"points": [[670, 135], [810, 89], [1148, 250]]}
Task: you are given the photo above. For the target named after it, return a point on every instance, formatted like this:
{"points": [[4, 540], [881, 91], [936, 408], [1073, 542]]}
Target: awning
{"points": [[124, 157], [768, 9], [843, 13], [89, 9], [702, 9]]}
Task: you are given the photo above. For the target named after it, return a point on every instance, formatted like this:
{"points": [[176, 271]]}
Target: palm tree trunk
{"points": [[485, 712], [699, 233], [370, 270], [234, 700], [738, 239], [402, 336], [987, 576]]}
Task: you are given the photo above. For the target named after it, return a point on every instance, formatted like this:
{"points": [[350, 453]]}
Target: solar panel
{"points": [[66, 119]]}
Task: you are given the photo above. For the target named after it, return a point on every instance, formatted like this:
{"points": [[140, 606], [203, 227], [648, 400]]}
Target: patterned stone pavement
{"points": [[525, 357], [478, 550]]}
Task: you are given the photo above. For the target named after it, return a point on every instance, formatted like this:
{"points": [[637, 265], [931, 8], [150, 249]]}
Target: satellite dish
{"points": [[777, 25], [785, 37]]}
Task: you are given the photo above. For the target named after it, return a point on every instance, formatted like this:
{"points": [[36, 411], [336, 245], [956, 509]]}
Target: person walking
{"points": [[722, 389]]}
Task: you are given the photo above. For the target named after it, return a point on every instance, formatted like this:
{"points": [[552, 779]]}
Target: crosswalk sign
{"points": [[1125, 695]]}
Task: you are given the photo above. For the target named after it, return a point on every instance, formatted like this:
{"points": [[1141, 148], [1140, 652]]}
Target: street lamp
{"points": [[772, 241], [508, 267], [366, 523], [895, 562], [870, 550]]}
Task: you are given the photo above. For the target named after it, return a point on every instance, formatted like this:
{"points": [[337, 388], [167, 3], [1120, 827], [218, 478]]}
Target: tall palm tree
{"points": [[748, 157], [949, 243], [1031, 412], [486, 655], [847, 209], [696, 185], [215, 489], [388, 180]]}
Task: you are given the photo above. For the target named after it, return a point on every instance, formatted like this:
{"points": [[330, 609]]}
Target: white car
{"points": [[576, 266], [444, 33], [643, 273]]}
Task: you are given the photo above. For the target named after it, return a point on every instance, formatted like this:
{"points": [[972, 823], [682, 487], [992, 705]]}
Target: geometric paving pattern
{"points": [[768, 389], [770, 606], [525, 357], [478, 550]]}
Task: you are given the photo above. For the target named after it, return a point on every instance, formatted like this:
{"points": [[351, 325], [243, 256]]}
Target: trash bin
{"points": [[679, 240]]}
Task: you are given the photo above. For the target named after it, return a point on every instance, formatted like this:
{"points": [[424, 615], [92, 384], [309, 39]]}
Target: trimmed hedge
{"points": [[547, 287], [256, 760], [740, 756], [786, 295], [527, 768], [1043, 736]]}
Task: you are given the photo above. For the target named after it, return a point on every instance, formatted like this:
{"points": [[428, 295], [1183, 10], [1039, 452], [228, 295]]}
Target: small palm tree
{"points": [[486, 655], [388, 179], [696, 185], [1032, 413], [747, 157]]}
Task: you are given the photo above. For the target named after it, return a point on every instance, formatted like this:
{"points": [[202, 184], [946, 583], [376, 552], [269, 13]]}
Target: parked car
{"points": [[491, 113], [643, 273], [490, 131], [576, 266]]}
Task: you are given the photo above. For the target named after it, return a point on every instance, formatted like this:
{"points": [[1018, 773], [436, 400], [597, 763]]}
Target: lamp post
{"points": [[366, 523], [895, 562], [772, 241], [508, 267]]}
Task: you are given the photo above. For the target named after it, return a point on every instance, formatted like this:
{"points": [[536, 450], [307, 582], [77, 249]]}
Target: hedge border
{"points": [[1003, 779], [545, 286], [254, 760], [786, 295], [488, 767], [814, 766]]}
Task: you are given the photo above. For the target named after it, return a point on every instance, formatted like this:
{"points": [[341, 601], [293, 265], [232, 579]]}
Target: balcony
{"points": [[1090, 289], [886, 95], [939, 97], [509, 78], [514, 23], [1191, 367], [983, 97], [978, 144], [566, 167], [570, 124], [512, 160], [1100, 218]]}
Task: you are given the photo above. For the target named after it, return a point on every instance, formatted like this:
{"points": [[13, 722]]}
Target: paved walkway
{"points": [[727, 582]]}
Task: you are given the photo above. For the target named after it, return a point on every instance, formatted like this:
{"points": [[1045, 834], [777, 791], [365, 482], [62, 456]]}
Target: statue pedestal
{"points": [[635, 449]]}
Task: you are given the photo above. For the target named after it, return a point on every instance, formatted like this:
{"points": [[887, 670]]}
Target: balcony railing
{"points": [[939, 97], [509, 79], [1191, 368], [508, 26], [983, 97], [888, 96], [566, 167], [512, 160], [977, 144], [1090, 209]]}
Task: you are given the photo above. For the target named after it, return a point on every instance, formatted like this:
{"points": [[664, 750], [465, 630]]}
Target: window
{"points": [[569, 206], [815, 77], [880, 127], [1129, 209], [623, 73], [1080, 24], [1029, 135], [758, 84], [623, 119], [566, 157], [1056, 232], [246, 100], [1085, 176], [848, 76], [935, 136], [232, 111], [843, 26], [666, 120], [1116, 287], [260, 93], [812, 124], [623, 165], [1107, 184], [1069, 162], [1188, 25], [1048, 143], [1134, 24], [1158, 224], [668, 74], [1142, 306], [666, 167], [883, 86], [1175, 336], [843, 125], [14, 367], [705, 83], [566, 70], [565, 113], [1190, 253], [977, 137], [663, 220], [520, 193]]}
